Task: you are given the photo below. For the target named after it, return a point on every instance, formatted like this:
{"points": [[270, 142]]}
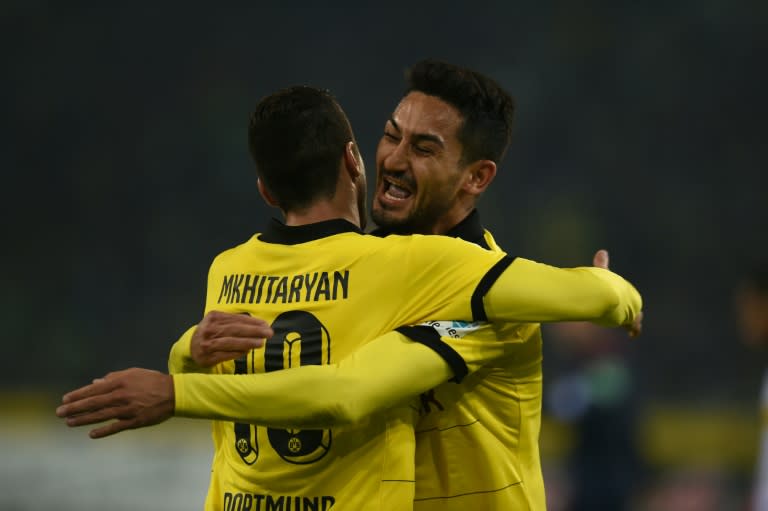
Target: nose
{"points": [[396, 156]]}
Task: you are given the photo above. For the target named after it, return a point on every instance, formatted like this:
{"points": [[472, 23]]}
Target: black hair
{"points": [[486, 108], [297, 137]]}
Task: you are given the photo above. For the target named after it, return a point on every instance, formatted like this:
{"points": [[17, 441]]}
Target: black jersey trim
{"points": [[470, 229], [430, 338], [478, 309], [277, 232]]}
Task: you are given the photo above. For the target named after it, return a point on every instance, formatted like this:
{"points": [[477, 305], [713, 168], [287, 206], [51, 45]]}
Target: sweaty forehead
{"points": [[419, 113]]}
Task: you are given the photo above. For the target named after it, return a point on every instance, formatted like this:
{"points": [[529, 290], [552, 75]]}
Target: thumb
{"points": [[601, 259]]}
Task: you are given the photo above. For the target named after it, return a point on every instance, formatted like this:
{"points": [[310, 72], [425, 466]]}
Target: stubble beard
{"points": [[421, 220]]}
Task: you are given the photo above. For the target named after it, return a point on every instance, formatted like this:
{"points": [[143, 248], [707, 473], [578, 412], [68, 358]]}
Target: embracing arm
{"points": [[219, 337], [180, 358], [382, 374], [378, 376], [534, 292]]}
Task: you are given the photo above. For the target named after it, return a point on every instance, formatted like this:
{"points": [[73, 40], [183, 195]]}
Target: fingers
{"points": [[222, 336], [98, 387], [111, 429], [236, 324], [601, 259], [209, 352], [89, 404], [96, 416], [212, 359], [233, 344]]}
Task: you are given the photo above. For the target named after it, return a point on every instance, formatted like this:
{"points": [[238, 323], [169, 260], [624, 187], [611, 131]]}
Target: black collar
{"points": [[470, 229], [278, 232]]}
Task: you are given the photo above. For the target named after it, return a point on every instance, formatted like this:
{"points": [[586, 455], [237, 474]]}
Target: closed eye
{"points": [[425, 150], [391, 136]]}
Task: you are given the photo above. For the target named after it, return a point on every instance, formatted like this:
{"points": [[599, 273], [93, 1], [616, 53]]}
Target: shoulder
{"points": [[236, 251], [438, 243]]}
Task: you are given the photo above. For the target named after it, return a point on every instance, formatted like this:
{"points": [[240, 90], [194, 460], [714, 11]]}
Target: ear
{"points": [[353, 163], [266, 195], [480, 175]]}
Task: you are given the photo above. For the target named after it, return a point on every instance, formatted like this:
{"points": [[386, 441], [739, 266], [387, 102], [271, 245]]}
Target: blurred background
{"points": [[640, 128]]}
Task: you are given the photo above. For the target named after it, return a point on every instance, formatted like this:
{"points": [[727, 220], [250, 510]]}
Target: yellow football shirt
{"points": [[490, 421], [327, 288]]}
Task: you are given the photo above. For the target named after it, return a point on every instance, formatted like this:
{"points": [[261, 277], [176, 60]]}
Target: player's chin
{"points": [[389, 217]]}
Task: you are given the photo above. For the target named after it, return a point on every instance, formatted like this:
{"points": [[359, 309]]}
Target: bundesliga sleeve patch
{"points": [[454, 329]]}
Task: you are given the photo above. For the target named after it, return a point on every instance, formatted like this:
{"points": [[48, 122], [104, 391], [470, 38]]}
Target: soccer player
{"points": [[491, 420], [752, 308], [439, 152], [308, 277]]}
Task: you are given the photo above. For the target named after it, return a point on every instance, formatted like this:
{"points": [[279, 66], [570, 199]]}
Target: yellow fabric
{"points": [[180, 359], [347, 288], [368, 381], [534, 292], [492, 419], [494, 414], [489, 422]]}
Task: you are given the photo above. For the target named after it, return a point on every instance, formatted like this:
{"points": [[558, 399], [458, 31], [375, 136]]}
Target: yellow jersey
{"points": [[490, 421], [327, 288]]}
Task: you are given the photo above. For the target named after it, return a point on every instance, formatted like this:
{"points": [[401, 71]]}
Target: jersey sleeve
{"points": [[466, 347], [527, 291], [180, 358], [444, 277], [380, 375]]}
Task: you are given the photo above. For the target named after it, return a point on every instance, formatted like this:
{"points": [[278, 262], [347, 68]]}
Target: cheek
{"points": [[436, 186]]}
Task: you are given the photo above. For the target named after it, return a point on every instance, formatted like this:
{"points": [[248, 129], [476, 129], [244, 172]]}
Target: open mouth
{"points": [[395, 189]]}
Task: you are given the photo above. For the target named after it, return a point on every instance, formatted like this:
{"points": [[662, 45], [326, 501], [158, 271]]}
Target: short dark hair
{"points": [[297, 137], [487, 109]]}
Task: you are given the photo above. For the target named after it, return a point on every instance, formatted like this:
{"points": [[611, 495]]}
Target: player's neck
{"points": [[320, 212]]}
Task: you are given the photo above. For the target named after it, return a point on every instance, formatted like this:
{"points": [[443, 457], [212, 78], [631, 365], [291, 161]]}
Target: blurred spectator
{"points": [[592, 389], [689, 490], [752, 314]]}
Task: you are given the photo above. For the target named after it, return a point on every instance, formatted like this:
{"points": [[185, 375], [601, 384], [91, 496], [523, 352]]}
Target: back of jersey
{"points": [[325, 295]]}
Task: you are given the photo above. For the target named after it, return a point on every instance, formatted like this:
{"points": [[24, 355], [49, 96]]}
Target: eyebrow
{"points": [[419, 137]]}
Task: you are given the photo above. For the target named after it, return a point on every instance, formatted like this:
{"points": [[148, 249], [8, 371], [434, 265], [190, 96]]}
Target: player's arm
{"points": [[180, 358], [219, 337], [496, 287], [528, 291], [378, 376]]}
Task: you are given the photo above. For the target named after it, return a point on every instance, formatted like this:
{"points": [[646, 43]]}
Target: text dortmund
{"points": [[255, 502], [310, 287]]}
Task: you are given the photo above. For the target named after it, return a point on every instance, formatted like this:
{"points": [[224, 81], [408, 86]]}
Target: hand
{"points": [[135, 397], [601, 260], [222, 336]]}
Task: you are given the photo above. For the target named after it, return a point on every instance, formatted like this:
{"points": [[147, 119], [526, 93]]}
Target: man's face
{"points": [[418, 167]]}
